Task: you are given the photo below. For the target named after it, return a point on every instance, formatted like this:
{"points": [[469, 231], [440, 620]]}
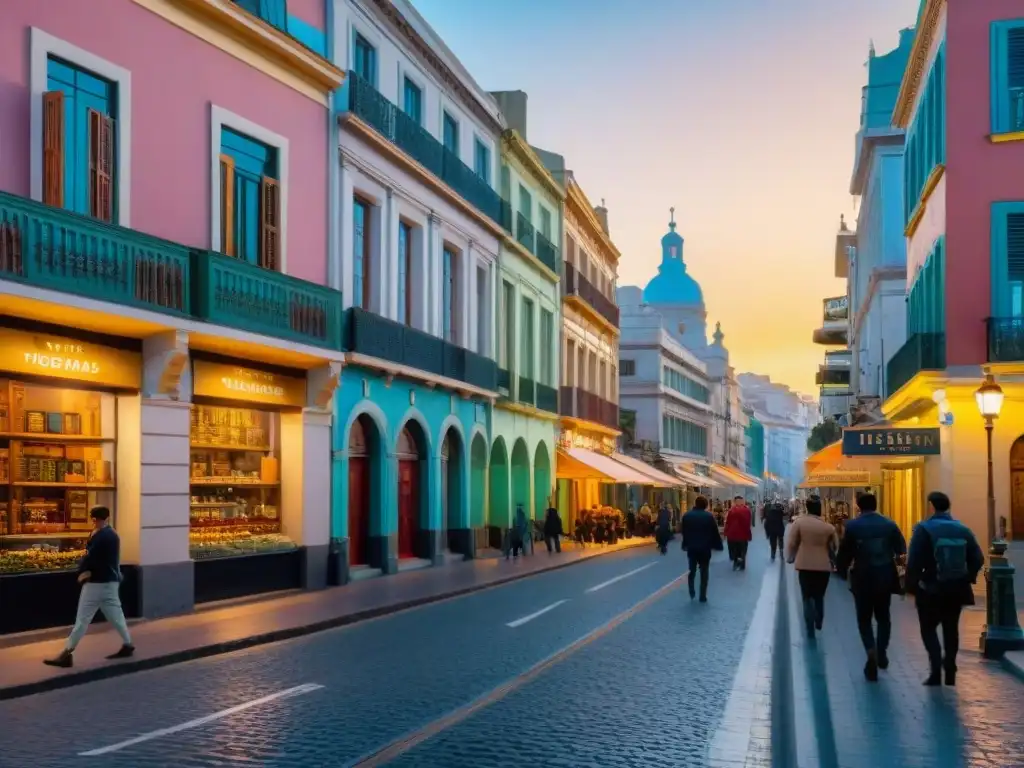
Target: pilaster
{"points": [[462, 294], [346, 234], [389, 260]]}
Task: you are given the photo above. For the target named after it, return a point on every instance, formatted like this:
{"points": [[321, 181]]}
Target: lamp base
{"points": [[1002, 630]]}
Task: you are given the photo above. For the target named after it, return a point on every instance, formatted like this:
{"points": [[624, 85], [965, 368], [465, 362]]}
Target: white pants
{"points": [[99, 597]]}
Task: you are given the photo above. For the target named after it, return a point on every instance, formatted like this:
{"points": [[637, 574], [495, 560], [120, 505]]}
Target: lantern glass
{"points": [[989, 398]]}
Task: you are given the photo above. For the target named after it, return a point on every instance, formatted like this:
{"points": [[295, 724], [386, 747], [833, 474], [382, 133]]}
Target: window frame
{"points": [[404, 275], [479, 145], [999, 279], [357, 36], [447, 118], [999, 117], [406, 83], [366, 256], [528, 341]]}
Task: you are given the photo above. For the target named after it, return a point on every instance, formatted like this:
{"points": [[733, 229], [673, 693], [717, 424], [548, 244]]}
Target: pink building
{"points": [[168, 336]]}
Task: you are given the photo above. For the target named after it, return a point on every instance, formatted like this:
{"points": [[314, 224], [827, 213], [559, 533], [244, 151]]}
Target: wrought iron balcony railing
{"points": [[575, 284], [921, 352], [526, 390], [547, 253], [580, 404], [547, 398], [524, 232]]}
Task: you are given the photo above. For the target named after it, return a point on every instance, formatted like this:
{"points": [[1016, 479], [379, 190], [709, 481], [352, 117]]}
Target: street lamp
{"points": [[1002, 630]]}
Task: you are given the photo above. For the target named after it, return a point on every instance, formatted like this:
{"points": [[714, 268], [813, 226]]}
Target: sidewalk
{"points": [[230, 628], [842, 721]]}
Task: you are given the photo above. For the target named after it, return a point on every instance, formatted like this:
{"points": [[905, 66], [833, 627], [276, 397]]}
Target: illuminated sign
{"points": [[891, 441], [838, 478], [232, 382], [37, 354]]}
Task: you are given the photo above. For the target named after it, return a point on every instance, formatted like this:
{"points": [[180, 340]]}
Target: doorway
{"points": [[409, 493], [1017, 489], [359, 491]]}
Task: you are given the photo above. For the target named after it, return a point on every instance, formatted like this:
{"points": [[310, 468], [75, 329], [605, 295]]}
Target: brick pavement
{"points": [[224, 629], [842, 721]]}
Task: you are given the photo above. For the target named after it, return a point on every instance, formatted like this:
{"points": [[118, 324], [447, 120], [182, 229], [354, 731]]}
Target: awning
{"points": [[658, 477], [828, 468], [829, 456], [597, 467], [695, 479], [730, 476]]}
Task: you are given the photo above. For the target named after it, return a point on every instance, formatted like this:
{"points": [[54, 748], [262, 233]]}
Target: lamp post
{"points": [[1002, 631]]}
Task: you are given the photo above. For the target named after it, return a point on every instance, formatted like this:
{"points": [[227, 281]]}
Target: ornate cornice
{"points": [[398, 22], [580, 213], [915, 71], [516, 146]]}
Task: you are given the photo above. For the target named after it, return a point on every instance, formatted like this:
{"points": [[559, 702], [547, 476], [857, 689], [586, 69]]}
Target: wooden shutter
{"points": [[227, 206], [101, 166], [53, 148], [1015, 246], [270, 224]]}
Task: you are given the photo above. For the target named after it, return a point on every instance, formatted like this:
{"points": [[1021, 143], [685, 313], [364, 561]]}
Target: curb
{"points": [[1013, 662], [784, 752], [108, 671]]}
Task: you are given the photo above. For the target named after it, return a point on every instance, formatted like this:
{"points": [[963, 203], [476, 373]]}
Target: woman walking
{"points": [[811, 546]]}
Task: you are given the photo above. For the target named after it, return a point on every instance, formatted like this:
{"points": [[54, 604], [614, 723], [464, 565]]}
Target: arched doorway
{"points": [[362, 451], [478, 490], [541, 480], [1017, 489], [413, 496], [499, 514], [522, 495], [451, 490]]}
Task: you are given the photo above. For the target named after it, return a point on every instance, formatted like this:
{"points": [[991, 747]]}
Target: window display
{"points": [[235, 486], [57, 452]]}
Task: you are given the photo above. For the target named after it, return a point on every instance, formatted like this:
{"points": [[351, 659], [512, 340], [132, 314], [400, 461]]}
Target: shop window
{"points": [[57, 455], [236, 484], [250, 200]]}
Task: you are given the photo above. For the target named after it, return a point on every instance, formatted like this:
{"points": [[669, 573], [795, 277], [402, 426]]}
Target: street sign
{"points": [[891, 441]]}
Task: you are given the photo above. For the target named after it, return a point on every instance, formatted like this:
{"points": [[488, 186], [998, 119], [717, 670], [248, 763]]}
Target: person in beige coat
{"points": [[810, 546]]}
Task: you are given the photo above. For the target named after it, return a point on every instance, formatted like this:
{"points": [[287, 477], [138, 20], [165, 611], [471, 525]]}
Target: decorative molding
{"points": [[516, 146], [580, 213], [915, 71], [1003, 138], [321, 384]]}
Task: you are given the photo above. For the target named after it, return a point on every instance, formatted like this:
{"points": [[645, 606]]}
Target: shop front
{"points": [[61, 436]]}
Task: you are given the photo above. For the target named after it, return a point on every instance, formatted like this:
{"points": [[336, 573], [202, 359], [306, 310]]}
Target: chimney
{"points": [[513, 106], [602, 216]]}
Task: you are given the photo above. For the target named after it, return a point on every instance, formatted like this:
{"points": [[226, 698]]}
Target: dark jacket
{"points": [[774, 520], [700, 532], [664, 520], [921, 578], [552, 523], [871, 543], [102, 557]]}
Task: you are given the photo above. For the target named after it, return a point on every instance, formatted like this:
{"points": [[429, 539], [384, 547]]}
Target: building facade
{"points": [[419, 226], [170, 345]]}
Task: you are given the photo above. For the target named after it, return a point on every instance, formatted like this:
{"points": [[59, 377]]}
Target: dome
{"points": [[673, 284]]}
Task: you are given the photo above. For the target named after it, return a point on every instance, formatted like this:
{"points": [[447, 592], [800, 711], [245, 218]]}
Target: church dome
{"points": [[673, 284]]}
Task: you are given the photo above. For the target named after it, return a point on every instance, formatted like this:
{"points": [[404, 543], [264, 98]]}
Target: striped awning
{"points": [[658, 477]]}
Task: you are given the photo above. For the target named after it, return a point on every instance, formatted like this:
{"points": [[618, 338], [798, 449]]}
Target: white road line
{"points": [[532, 616], [608, 583], [286, 694]]}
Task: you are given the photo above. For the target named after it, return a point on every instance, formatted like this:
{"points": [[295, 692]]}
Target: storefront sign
{"points": [[569, 438], [232, 382], [836, 309], [838, 478], [891, 441], [39, 354]]}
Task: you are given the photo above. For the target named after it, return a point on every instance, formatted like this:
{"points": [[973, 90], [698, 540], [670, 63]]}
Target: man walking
{"points": [[943, 563], [99, 573], [774, 522], [700, 536], [871, 543], [737, 533]]}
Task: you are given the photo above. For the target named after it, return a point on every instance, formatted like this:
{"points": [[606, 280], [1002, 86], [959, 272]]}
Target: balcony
{"points": [[547, 253], [370, 106], [576, 285], [921, 352], [526, 388], [504, 380], [832, 377], [375, 336], [579, 404], [237, 294], [547, 398], [525, 233]]}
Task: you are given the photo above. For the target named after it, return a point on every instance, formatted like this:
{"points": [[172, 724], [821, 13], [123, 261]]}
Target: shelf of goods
{"points": [[235, 485], [56, 463]]}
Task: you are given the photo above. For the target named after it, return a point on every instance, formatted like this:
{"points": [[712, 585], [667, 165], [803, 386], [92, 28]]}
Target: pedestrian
{"points": [[663, 534], [99, 573], [700, 537], [943, 563], [810, 548], [553, 529], [774, 521], [872, 543], [517, 536], [738, 533]]}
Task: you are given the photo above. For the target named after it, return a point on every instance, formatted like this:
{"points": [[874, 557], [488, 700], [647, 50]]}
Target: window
{"points": [[482, 160], [448, 294], [404, 274], [526, 369], [628, 367], [413, 101], [79, 141], [545, 223], [250, 200], [926, 135], [274, 12], [685, 436], [360, 254], [483, 333], [1007, 98], [508, 318], [926, 305], [547, 341], [525, 203], [364, 60], [682, 384], [1007, 260], [451, 134]]}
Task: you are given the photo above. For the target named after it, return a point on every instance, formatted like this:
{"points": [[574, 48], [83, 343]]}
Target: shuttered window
{"points": [[79, 141], [404, 274], [364, 60], [360, 254], [482, 160], [1007, 76], [1007, 275], [250, 200], [926, 302], [547, 340], [274, 12], [451, 134], [926, 135], [527, 341], [413, 101]]}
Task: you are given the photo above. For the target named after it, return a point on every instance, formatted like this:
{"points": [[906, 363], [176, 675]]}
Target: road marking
{"points": [[532, 616], [620, 578], [393, 750], [298, 690]]}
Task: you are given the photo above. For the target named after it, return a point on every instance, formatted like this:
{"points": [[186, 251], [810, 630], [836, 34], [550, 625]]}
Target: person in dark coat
{"points": [[943, 562], [553, 530], [663, 532], [872, 543], [774, 519], [700, 538]]}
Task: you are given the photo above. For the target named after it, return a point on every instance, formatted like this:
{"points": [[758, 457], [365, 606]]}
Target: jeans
{"points": [[698, 561], [870, 605], [934, 611], [775, 540], [98, 597], [738, 553], [554, 543], [812, 587]]}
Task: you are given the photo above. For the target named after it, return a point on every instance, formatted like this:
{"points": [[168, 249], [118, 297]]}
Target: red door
{"points": [[358, 510], [408, 506]]}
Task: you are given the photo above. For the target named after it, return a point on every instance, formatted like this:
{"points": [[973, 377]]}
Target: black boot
{"points": [[124, 652], [935, 678], [871, 667], [951, 674], [65, 660]]}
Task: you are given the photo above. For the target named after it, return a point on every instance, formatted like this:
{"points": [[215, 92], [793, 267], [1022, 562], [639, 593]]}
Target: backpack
{"points": [[950, 560]]}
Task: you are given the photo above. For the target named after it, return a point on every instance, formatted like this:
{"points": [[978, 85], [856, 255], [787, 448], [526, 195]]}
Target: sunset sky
{"points": [[740, 113]]}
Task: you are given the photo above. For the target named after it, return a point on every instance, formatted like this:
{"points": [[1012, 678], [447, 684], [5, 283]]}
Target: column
{"points": [[514, 315], [473, 341], [421, 253], [306, 491], [346, 241], [492, 307], [389, 258], [435, 275], [462, 295]]}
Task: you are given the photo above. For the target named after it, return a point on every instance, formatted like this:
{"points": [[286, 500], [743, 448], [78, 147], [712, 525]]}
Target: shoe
{"points": [[817, 626], [124, 652], [883, 660], [703, 598], [933, 679], [66, 660], [810, 631], [871, 668], [950, 677]]}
